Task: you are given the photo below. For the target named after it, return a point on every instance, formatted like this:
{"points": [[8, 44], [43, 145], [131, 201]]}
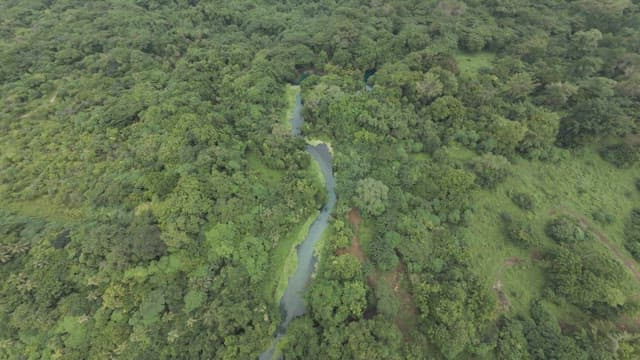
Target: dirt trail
{"points": [[504, 304], [355, 249], [629, 263]]}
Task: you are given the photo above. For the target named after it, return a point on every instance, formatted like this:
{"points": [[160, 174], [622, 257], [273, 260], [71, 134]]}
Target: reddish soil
{"points": [[355, 249], [537, 256], [354, 218]]}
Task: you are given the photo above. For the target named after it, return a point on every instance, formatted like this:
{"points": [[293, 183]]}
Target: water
{"points": [[292, 304], [367, 74]]}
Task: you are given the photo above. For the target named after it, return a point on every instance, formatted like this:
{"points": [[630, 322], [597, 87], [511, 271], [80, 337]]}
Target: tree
{"points": [[594, 282], [490, 170], [371, 196], [511, 344], [505, 135], [520, 86], [519, 231], [565, 229], [333, 303], [586, 41], [632, 233], [381, 250], [557, 94]]}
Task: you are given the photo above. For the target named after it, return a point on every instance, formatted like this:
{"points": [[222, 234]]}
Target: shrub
{"points": [[519, 232], [632, 233], [621, 155], [523, 200], [490, 170], [565, 229], [381, 251], [603, 217]]}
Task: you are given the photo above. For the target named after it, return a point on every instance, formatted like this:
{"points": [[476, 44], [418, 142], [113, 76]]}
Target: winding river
{"points": [[292, 303]]}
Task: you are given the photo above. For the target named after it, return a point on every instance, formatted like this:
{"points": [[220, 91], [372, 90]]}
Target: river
{"points": [[292, 304]]}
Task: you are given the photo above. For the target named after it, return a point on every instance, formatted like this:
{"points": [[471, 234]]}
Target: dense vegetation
{"points": [[485, 152]]}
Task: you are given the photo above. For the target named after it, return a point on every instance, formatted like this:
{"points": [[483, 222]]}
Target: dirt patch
{"points": [[355, 249], [537, 256], [504, 304], [512, 261], [354, 219], [632, 139]]}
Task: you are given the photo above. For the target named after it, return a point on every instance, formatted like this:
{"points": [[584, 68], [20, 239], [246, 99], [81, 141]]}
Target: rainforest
{"points": [[320, 179]]}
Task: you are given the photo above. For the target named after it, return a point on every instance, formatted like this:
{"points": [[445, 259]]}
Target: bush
{"points": [[603, 217], [519, 232], [621, 155], [632, 233], [565, 229], [381, 251], [523, 200], [490, 170]]}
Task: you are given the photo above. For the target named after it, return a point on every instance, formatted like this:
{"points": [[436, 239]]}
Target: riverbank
{"points": [[292, 304]]}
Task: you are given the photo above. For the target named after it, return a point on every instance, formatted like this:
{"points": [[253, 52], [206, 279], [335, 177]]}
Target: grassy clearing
{"points": [[366, 231], [581, 182], [271, 176], [469, 64], [290, 92], [45, 209], [318, 247]]}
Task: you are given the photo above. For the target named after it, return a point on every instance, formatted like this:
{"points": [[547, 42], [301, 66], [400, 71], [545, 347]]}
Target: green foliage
{"points": [[381, 251], [621, 155], [565, 229], [387, 303], [332, 303], [511, 343], [452, 301], [524, 200], [344, 268], [520, 232], [490, 170], [151, 192], [371, 196], [632, 233], [592, 281], [545, 338]]}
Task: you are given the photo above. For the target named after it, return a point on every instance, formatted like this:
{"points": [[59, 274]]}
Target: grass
{"points": [[581, 182], [469, 64], [43, 208], [284, 260], [290, 93], [271, 176], [318, 247]]}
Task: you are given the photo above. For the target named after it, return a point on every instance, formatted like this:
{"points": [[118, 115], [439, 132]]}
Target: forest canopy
{"points": [[486, 161]]}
